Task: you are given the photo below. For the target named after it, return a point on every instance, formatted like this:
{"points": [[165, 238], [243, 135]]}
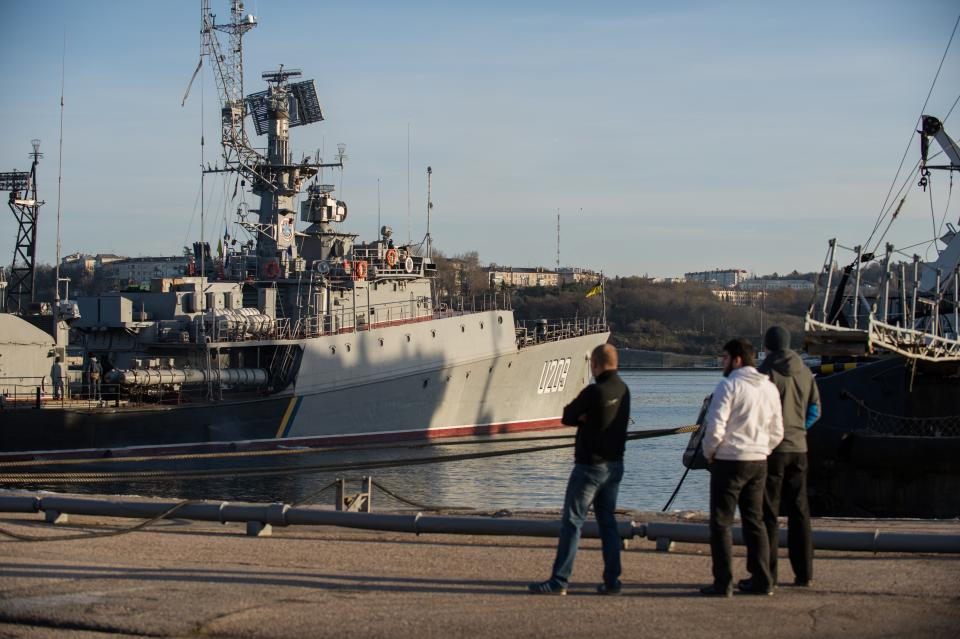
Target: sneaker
{"points": [[803, 583], [604, 589], [713, 591], [546, 588]]}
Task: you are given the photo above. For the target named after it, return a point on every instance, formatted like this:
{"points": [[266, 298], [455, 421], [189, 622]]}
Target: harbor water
{"points": [[660, 399]]}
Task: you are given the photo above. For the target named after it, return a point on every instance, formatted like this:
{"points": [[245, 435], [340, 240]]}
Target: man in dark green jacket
{"points": [[787, 465]]}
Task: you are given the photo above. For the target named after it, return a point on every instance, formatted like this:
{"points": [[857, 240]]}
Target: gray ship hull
{"points": [[453, 376]]}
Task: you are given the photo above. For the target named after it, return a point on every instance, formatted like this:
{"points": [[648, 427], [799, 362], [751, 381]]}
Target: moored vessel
{"points": [[292, 337]]}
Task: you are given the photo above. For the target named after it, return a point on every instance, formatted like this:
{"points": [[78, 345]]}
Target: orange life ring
{"points": [[273, 269], [392, 257], [360, 272]]}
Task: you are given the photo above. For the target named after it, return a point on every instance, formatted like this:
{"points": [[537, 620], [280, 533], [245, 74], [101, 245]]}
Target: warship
{"points": [[295, 336], [887, 328]]}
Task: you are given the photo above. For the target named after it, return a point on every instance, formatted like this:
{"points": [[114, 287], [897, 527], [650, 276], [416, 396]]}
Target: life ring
{"points": [[392, 257], [360, 272], [408, 264], [273, 269]]}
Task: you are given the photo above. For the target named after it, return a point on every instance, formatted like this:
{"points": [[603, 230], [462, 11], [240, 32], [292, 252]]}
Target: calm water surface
{"points": [[660, 399]]}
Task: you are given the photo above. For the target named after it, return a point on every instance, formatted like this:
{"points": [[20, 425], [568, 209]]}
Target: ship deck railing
{"points": [[352, 314], [833, 339], [530, 332], [912, 311], [38, 394]]}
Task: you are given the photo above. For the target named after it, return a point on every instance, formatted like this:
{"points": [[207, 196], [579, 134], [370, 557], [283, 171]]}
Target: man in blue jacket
{"points": [[601, 413]]}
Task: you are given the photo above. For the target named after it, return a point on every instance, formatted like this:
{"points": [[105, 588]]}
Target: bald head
{"points": [[603, 358]]}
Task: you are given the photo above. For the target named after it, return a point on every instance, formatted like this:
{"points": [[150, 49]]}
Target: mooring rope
{"points": [[15, 537], [334, 467]]}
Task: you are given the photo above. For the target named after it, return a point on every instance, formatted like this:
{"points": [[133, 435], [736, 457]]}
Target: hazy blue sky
{"points": [[692, 135]]}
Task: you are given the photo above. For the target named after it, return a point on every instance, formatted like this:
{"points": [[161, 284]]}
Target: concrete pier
{"points": [[185, 579]]}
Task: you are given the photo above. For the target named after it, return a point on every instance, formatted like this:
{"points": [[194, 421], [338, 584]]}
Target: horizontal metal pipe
{"points": [[861, 541], [19, 504], [284, 515], [278, 514]]}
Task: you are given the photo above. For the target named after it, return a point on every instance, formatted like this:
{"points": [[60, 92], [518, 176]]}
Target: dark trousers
{"points": [[787, 485], [734, 483]]}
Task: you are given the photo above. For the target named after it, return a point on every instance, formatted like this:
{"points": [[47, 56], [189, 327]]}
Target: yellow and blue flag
{"points": [[596, 290]]}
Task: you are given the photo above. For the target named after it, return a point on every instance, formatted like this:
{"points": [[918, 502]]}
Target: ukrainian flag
{"points": [[596, 290]]}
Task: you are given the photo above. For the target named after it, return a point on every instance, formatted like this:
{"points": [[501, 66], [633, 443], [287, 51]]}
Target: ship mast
{"points": [[274, 178]]}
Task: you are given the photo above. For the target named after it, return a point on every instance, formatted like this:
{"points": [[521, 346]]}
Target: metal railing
{"points": [[462, 304], [530, 332], [897, 315]]}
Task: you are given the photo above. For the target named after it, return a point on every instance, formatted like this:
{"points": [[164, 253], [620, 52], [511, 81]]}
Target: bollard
{"points": [[259, 529], [55, 517]]}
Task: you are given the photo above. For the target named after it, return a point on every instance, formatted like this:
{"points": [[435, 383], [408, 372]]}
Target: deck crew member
{"points": [[57, 375], [601, 413], [742, 426], [94, 371], [787, 465]]}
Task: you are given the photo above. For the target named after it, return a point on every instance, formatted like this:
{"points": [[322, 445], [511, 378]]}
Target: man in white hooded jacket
{"points": [[743, 425]]}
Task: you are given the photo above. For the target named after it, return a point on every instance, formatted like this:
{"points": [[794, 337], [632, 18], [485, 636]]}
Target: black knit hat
{"points": [[776, 339]]}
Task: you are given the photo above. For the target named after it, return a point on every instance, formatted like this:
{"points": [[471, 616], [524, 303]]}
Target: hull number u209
{"points": [[553, 378]]}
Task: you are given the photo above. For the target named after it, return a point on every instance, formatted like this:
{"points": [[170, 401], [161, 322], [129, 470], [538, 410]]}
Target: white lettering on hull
{"points": [[553, 377]]}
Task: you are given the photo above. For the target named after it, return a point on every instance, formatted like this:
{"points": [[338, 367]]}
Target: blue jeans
{"points": [[595, 484]]}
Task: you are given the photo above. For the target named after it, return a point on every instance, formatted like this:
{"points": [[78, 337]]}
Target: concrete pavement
{"points": [[188, 579]]}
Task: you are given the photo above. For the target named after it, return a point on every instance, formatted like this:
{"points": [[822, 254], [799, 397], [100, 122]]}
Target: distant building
{"points": [[668, 280], [79, 262], [721, 278], [108, 258], [739, 297], [136, 271], [771, 283], [577, 275], [521, 277]]}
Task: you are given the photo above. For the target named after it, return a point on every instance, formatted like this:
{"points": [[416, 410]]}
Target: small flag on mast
{"points": [[596, 290]]}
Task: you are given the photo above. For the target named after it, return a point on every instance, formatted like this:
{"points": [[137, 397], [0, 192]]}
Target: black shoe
{"points": [[546, 588], [604, 589], [747, 587], [747, 584], [713, 591], [803, 583]]}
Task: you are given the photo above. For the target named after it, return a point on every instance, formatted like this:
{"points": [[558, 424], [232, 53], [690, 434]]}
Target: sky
{"points": [[670, 137]]}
